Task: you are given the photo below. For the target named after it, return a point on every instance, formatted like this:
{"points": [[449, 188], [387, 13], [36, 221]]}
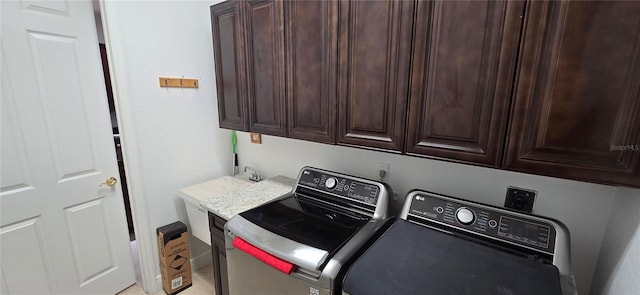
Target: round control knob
{"points": [[465, 216], [331, 183]]}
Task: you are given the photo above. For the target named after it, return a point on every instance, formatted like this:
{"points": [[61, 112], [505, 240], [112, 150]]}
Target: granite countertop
{"points": [[203, 191], [232, 203]]}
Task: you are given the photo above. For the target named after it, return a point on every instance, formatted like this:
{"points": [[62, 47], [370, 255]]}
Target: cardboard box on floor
{"points": [[175, 262]]}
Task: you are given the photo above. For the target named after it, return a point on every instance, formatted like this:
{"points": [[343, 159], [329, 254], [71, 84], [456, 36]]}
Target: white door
{"points": [[60, 232]]}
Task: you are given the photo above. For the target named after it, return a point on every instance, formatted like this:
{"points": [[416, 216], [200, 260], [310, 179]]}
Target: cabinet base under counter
{"points": [[218, 253]]}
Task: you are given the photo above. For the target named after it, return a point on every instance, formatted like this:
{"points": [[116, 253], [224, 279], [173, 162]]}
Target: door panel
{"points": [[60, 229], [3, 284], [570, 119], [265, 66], [464, 61], [26, 267], [311, 73], [52, 7], [64, 109], [374, 60], [91, 244], [15, 171]]}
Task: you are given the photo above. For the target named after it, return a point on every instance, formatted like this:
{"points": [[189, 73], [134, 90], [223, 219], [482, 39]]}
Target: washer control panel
{"points": [[478, 219], [465, 216], [344, 186]]}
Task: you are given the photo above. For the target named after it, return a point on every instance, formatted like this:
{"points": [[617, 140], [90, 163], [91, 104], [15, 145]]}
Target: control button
{"points": [[493, 223], [331, 183], [465, 216], [439, 209]]}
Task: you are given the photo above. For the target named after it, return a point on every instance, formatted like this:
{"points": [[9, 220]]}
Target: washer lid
{"points": [[308, 222], [412, 259]]}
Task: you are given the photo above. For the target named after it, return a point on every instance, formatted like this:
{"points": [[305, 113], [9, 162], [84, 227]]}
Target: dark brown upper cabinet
{"points": [[577, 99], [373, 68], [311, 47], [464, 57], [229, 59], [265, 66], [542, 87]]}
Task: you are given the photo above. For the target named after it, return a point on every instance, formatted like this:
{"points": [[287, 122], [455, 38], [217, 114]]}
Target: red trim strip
{"points": [[263, 256]]}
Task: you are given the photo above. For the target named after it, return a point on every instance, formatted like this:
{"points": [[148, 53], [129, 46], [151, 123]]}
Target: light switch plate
{"points": [[255, 138]]}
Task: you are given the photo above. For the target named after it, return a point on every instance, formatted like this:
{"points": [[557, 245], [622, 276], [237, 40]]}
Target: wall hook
{"points": [[181, 82]]}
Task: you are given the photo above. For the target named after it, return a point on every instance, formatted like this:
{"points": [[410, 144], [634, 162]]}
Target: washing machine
{"points": [[302, 242]]}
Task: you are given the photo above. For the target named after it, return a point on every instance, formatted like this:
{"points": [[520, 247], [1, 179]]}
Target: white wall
{"points": [[171, 134], [583, 207], [176, 141], [618, 270]]}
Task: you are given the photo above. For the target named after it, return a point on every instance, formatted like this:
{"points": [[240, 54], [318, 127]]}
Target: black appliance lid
{"points": [[412, 259], [307, 221]]}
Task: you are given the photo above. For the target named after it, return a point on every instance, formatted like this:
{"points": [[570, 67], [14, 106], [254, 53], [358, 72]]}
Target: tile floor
{"points": [[202, 284]]}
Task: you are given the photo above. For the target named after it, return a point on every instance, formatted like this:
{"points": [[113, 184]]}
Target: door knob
{"points": [[111, 181]]}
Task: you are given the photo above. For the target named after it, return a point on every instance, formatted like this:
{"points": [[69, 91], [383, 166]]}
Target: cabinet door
{"points": [[374, 56], [312, 44], [224, 274], [577, 106], [265, 66], [229, 59], [464, 57], [218, 254]]}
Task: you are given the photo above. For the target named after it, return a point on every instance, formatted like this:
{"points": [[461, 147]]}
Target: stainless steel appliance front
{"points": [[318, 228], [248, 275]]}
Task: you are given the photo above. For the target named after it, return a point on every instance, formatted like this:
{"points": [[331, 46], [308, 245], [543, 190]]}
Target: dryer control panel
{"points": [[476, 219]]}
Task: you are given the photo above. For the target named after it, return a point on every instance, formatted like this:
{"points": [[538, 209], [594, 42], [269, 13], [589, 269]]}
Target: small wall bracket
{"points": [[179, 82]]}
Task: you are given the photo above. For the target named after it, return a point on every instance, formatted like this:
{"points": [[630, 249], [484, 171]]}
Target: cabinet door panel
{"points": [[265, 70], [224, 274], [218, 254], [229, 59], [464, 61], [577, 103], [374, 57], [311, 74]]}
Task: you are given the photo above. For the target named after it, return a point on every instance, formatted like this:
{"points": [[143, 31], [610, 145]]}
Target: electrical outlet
{"points": [[520, 199], [383, 171]]}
